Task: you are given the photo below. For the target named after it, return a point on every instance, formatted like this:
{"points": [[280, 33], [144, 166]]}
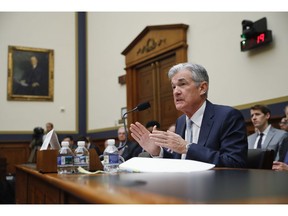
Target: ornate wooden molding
{"points": [[150, 45], [155, 40]]}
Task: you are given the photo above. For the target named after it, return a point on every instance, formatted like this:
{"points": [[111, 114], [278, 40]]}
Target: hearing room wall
{"points": [[236, 78]]}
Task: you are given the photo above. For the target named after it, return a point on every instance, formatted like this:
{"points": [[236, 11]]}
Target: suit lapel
{"points": [[268, 138], [180, 129], [182, 126], [207, 123]]}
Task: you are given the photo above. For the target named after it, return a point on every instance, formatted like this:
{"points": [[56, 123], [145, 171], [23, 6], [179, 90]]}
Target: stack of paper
{"points": [[141, 164]]}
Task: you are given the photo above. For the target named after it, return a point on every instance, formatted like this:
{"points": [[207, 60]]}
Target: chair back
{"points": [[260, 159]]}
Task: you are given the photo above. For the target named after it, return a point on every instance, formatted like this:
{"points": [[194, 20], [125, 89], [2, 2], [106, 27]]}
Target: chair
{"points": [[260, 159]]}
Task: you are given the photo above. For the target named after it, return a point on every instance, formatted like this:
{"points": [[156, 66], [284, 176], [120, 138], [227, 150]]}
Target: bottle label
{"points": [[65, 161], [81, 160], [111, 159]]}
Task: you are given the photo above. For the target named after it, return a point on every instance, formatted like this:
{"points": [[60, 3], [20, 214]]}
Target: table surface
{"points": [[212, 186]]}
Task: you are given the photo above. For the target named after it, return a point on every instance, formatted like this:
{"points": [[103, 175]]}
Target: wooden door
{"points": [[155, 87], [167, 112], [148, 60]]}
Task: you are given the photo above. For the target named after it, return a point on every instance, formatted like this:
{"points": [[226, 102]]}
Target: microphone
{"points": [[139, 107]]}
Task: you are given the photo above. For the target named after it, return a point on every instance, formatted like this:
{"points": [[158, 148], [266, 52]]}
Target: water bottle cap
{"points": [[111, 141], [65, 143], [81, 143]]}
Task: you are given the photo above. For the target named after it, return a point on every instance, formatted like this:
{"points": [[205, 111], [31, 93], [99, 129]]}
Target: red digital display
{"points": [[256, 41], [261, 38]]}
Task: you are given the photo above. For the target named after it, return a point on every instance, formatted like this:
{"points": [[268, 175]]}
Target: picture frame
{"points": [[30, 74]]}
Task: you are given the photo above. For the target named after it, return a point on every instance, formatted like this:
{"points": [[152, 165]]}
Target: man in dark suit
{"points": [[35, 81], [214, 133], [88, 144], [131, 149], [279, 165], [271, 138]]}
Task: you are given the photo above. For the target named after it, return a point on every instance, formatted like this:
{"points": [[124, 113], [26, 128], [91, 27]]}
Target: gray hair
{"points": [[198, 72]]}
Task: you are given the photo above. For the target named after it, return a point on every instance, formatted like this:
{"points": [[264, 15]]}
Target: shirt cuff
{"points": [[160, 154]]}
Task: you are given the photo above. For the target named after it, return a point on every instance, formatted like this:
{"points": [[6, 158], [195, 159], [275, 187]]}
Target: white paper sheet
{"points": [[52, 139], [141, 164]]}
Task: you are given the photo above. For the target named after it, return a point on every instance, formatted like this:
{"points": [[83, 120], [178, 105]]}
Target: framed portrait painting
{"points": [[30, 74]]}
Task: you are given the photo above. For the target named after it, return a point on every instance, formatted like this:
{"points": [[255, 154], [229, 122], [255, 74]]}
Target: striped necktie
{"points": [[189, 137]]}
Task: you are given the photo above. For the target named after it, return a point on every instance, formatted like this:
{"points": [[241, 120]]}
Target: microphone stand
{"points": [[125, 128], [139, 107]]}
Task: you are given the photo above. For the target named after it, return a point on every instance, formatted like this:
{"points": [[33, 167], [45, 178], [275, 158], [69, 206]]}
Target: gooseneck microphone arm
{"points": [[139, 107]]}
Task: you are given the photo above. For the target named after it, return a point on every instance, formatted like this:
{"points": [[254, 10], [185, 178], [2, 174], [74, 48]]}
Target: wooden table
{"points": [[225, 186]]}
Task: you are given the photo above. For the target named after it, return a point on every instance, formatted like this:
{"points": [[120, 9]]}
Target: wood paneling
{"points": [[216, 186], [41, 192], [15, 152], [155, 87]]}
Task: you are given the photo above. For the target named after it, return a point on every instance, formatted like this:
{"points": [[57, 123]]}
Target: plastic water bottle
{"points": [[111, 157], [81, 156], [65, 159]]}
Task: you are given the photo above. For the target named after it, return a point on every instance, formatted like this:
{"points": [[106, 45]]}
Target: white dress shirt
{"points": [[197, 121], [265, 132]]}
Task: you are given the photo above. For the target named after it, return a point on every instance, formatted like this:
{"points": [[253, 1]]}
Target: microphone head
{"points": [[143, 106]]}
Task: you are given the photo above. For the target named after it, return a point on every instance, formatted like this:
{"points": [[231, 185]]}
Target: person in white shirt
{"points": [[272, 138], [205, 132]]}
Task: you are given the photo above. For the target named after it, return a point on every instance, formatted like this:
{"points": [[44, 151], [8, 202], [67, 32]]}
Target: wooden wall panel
{"points": [[148, 59], [16, 152]]}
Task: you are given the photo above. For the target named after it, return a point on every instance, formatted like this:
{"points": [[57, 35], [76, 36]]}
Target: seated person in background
{"points": [[283, 124], [131, 149], [266, 137], [70, 139], [49, 126], [286, 111], [89, 144], [277, 165], [35, 144], [280, 166], [149, 125], [219, 132]]}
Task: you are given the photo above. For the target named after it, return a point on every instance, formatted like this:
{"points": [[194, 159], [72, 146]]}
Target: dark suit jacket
{"points": [[132, 149], [222, 139], [94, 146]]}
